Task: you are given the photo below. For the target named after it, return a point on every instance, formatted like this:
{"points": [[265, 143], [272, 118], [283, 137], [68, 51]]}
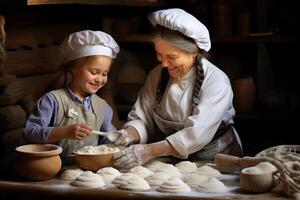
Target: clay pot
{"points": [[257, 183], [244, 94], [38, 161]]}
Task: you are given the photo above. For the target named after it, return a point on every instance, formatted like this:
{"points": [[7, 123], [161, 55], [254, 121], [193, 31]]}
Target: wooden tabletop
{"points": [[60, 189]]}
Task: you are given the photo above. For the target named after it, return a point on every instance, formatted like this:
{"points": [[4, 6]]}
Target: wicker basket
{"points": [[287, 159]]}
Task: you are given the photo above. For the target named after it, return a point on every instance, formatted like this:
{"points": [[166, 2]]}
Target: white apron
{"points": [[224, 140]]}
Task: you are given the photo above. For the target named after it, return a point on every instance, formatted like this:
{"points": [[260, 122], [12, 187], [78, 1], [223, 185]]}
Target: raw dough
{"points": [[135, 183], [211, 185], [122, 178], [108, 173], [71, 174], [157, 178], [174, 185], [186, 166], [130, 181], [141, 171], [194, 179], [170, 169], [154, 165], [88, 179], [208, 171]]}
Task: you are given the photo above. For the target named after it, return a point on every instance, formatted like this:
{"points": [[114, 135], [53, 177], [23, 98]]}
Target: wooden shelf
{"points": [[222, 39], [97, 2]]}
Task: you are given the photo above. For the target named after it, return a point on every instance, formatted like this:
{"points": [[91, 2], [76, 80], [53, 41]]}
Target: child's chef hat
{"points": [[88, 43], [178, 20]]}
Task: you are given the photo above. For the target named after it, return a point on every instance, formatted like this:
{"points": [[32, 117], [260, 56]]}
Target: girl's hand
{"points": [[78, 131]]}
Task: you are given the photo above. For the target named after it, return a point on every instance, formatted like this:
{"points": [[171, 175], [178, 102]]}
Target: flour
{"points": [[97, 150]]}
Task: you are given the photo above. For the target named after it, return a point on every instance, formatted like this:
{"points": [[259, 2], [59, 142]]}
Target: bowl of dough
{"points": [[95, 157], [38, 161]]}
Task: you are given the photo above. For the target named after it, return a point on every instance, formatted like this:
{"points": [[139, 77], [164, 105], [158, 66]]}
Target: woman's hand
{"points": [[141, 153], [125, 137], [121, 138], [132, 156]]}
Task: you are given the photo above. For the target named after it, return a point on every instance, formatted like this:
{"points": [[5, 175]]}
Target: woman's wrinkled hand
{"points": [[121, 138], [132, 156]]}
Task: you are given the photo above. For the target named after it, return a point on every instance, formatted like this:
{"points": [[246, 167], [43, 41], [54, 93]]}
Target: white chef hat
{"points": [[179, 20], [88, 43]]}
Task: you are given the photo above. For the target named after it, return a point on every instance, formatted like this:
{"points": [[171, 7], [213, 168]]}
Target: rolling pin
{"points": [[234, 162]]}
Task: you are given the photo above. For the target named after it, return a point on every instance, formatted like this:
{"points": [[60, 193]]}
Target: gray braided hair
{"points": [[187, 44]]}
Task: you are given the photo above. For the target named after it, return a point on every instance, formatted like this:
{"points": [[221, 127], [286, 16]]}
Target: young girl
{"points": [[67, 116]]}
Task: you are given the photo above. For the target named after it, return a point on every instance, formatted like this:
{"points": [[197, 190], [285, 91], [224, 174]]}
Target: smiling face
{"points": [[177, 61], [89, 74]]}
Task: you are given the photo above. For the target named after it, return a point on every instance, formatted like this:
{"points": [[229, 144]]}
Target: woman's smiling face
{"points": [[177, 61]]}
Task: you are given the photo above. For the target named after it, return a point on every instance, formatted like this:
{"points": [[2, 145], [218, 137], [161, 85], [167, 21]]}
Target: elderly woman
{"points": [[185, 107]]}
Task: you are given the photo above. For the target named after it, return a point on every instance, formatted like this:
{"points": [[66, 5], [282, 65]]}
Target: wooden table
{"points": [[60, 189]]}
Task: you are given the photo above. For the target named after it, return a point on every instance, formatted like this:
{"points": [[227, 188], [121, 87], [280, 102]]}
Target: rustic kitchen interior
{"points": [[254, 42]]}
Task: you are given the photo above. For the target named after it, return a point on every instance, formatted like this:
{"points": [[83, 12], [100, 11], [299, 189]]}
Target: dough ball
{"points": [[208, 171], [71, 174], [154, 165], [186, 166], [194, 179], [174, 185], [211, 185], [108, 173], [88, 179], [122, 178], [135, 183], [157, 178], [170, 169], [141, 171]]}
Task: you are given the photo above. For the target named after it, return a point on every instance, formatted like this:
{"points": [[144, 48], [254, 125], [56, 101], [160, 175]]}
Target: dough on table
{"points": [[141, 171], [186, 166], [88, 179], [157, 178], [71, 173], [170, 169], [174, 185], [154, 165], [135, 183], [195, 179], [122, 178], [108, 173], [211, 185], [208, 171]]}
